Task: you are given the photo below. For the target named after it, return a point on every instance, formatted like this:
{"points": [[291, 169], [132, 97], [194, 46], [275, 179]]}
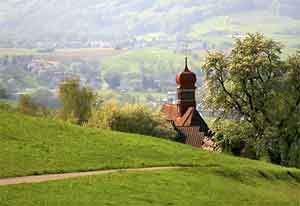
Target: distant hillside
{"points": [[137, 70], [214, 21]]}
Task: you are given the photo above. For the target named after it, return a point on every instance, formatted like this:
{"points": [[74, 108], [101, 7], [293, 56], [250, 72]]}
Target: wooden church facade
{"points": [[186, 120]]}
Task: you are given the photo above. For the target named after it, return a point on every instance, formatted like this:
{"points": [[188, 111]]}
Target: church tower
{"points": [[190, 126], [186, 88]]}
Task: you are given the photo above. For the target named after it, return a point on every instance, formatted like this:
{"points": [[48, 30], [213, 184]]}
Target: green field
{"points": [[220, 29], [93, 54], [199, 186], [36, 146], [151, 60]]}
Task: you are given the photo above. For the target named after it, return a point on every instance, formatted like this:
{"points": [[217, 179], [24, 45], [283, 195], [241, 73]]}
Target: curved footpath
{"points": [[50, 177]]}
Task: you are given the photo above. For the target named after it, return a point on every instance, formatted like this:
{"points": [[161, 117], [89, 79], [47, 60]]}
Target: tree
{"points": [[76, 101], [27, 106], [3, 93], [253, 86]]}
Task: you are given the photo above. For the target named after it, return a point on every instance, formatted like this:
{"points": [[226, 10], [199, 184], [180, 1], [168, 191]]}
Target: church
{"points": [[190, 126]]}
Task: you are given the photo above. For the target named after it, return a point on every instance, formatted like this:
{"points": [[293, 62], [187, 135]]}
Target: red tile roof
{"points": [[191, 118], [170, 111]]}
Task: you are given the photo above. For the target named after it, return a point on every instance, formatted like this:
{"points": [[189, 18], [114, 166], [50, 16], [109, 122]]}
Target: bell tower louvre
{"points": [[186, 120]]}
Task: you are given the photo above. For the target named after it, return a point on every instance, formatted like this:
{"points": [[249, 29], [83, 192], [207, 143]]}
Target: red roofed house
{"points": [[190, 126]]}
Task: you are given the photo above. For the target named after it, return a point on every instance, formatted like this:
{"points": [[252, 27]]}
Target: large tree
{"points": [[258, 89]]}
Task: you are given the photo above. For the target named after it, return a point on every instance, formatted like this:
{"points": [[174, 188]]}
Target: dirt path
{"points": [[50, 177]]}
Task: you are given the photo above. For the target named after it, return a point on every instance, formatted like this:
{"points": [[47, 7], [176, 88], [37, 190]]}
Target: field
{"points": [[151, 60], [93, 54], [220, 29], [32, 146], [88, 54], [198, 186], [17, 51]]}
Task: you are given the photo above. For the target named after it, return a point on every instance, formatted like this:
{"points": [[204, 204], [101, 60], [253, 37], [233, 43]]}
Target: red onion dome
{"points": [[186, 78]]}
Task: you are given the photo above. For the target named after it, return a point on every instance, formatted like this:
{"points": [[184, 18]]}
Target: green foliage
{"points": [[254, 86], [235, 137], [131, 118], [6, 107], [77, 102], [27, 106], [3, 93]]}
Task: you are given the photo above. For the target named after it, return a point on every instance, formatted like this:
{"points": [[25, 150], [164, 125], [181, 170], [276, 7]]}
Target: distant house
{"points": [[186, 120]]}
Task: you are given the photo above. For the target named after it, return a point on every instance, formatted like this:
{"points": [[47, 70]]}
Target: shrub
{"points": [[6, 107], [131, 118], [235, 137], [27, 106]]}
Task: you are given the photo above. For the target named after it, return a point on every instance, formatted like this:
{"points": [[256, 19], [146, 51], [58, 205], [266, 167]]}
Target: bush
{"points": [[27, 106], [6, 107], [131, 118], [235, 137]]}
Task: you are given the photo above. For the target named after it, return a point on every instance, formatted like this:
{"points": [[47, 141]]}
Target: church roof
{"points": [[191, 118], [170, 111]]}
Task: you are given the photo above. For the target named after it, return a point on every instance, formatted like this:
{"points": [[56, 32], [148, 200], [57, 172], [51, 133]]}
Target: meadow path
{"points": [[50, 177]]}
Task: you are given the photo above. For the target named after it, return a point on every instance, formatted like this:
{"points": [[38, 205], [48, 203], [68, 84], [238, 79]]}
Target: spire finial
{"points": [[186, 69]]}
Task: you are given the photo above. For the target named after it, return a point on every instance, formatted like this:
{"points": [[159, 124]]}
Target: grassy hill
{"points": [[37, 146], [198, 186]]}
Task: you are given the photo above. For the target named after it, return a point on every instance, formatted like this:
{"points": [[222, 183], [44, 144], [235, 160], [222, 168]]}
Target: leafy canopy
{"points": [[254, 86]]}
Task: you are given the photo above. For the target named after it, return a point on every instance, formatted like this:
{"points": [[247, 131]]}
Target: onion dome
{"points": [[186, 78]]}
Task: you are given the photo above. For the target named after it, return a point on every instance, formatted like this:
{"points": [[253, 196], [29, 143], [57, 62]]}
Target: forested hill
{"points": [[169, 19]]}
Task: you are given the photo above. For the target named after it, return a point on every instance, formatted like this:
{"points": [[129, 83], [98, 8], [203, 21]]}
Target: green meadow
{"points": [[182, 187], [32, 146]]}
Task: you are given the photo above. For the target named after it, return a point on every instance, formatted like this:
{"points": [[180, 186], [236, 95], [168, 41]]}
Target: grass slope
{"points": [[35, 146], [205, 186]]}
